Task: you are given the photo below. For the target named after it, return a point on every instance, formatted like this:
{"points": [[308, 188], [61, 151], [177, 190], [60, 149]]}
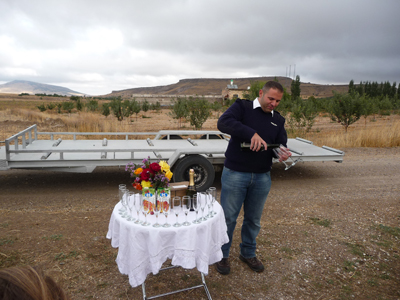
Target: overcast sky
{"points": [[96, 46]]}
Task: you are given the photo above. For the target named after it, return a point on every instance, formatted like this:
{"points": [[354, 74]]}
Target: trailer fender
{"points": [[204, 173]]}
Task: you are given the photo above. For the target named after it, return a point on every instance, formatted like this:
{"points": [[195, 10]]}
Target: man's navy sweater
{"points": [[241, 121]]}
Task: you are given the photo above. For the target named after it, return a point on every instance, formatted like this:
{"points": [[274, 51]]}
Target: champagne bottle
{"points": [[191, 190], [246, 147]]}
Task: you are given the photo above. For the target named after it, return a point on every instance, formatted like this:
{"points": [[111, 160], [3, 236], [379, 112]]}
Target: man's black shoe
{"points": [[223, 266], [254, 263]]}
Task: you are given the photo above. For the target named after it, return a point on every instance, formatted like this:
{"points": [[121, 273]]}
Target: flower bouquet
{"points": [[152, 178]]}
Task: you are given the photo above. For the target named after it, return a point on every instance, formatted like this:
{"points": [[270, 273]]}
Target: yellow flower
{"points": [[146, 184], [138, 171], [164, 166], [168, 174]]}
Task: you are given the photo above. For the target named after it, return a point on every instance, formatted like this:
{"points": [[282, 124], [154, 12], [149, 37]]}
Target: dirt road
{"points": [[329, 231]]}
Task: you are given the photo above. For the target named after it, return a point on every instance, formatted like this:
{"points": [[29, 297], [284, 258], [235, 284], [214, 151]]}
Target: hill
{"points": [[214, 86], [30, 87]]}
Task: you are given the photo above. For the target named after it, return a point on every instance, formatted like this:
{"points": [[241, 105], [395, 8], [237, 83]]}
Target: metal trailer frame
{"points": [[25, 150]]}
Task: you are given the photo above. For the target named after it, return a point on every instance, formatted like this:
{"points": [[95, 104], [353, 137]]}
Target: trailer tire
{"points": [[203, 170]]}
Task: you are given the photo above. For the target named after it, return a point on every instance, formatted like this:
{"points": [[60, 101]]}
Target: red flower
{"points": [[145, 175], [137, 186], [154, 167]]}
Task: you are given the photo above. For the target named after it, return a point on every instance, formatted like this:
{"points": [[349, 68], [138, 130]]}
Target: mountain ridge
{"points": [[214, 86], [30, 87], [190, 86]]}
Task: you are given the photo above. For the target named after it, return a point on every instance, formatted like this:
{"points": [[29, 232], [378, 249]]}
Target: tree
{"points": [[75, 98], [393, 91], [50, 106], [385, 105], [145, 105], [92, 105], [41, 107], [117, 108], [216, 106], [200, 111], [135, 107], [156, 106], [360, 89], [295, 88], [352, 87], [105, 109], [254, 90], [68, 106], [345, 109], [180, 110], [126, 109], [368, 107], [79, 104], [302, 115]]}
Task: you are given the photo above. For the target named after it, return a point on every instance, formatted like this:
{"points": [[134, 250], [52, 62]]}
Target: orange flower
{"points": [[138, 171]]}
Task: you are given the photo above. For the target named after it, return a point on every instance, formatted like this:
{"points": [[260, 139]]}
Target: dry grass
{"points": [[384, 134]]}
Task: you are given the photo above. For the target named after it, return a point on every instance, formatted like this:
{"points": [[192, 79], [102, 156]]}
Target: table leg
{"points": [[204, 285]]}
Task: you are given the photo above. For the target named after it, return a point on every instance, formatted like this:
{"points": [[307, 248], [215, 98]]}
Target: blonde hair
{"points": [[28, 283]]}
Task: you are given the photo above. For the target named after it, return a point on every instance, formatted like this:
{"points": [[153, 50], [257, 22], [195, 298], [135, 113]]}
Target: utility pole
{"points": [[294, 72]]}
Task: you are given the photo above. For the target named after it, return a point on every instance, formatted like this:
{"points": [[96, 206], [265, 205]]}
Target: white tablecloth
{"points": [[143, 249]]}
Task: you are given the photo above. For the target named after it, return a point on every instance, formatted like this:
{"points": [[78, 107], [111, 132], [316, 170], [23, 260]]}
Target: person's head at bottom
{"points": [[28, 283]]}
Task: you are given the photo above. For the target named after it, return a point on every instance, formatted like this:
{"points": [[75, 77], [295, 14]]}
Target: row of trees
{"points": [[361, 101], [117, 107], [345, 109], [374, 89]]}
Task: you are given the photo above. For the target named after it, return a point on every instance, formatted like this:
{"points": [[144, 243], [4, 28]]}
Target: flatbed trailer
{"points": [[182, 149]]}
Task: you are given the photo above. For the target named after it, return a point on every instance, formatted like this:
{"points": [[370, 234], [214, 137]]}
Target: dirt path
{"points": [[329, 231]]}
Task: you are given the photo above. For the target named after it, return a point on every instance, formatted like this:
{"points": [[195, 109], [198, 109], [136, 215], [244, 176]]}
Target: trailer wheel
{"points": [[204, 173]]}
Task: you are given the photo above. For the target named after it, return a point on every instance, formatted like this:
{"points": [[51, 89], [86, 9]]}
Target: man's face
{"points": [[269, 100]]}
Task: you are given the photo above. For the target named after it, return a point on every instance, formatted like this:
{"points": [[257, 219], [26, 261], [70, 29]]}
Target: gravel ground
{"points": [[329, 231]]}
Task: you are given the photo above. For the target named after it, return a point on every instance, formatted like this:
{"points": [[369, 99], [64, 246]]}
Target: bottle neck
{"points": [[191, 178]]}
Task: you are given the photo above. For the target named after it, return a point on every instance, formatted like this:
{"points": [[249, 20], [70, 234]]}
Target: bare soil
{"points": [[329, 231]]}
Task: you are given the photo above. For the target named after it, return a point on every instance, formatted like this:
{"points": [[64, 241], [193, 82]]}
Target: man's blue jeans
{"points": [[251, 191]]}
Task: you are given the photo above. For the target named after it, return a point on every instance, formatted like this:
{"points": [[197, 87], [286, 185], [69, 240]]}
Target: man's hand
{"points": [[256, 142]]}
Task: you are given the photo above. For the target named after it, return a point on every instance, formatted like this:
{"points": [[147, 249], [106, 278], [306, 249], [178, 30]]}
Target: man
{"points": [[246, 175]]}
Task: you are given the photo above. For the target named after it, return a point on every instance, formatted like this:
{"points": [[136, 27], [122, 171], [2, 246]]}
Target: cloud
{"points": [[98, 46]]}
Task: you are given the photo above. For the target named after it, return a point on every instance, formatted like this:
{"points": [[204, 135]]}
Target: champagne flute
{"points": [[138, 206], [145, 210], [124, 201], [213, 195], [176, 207], [196, 207], [281, 152], [202, 199], [156, 205], [166, 205], [131, 204], [186, 204], [121, 191], [209, 203]]}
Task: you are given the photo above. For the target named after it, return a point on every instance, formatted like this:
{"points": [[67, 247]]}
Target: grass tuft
{"points": [[318, 221]]}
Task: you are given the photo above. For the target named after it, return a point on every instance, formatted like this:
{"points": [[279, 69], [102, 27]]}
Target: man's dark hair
{"points": [[272, 85]]}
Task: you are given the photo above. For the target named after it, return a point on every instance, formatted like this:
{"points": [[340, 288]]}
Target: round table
{"points": [[143, 249]]}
